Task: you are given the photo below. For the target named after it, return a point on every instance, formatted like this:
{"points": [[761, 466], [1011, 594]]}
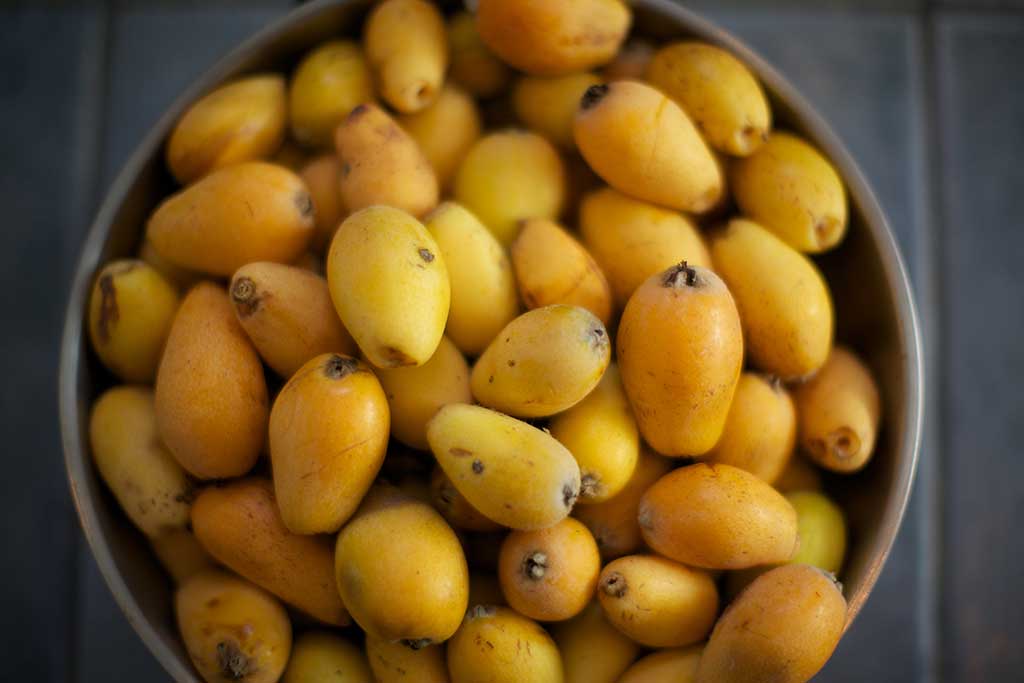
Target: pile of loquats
{"points": [[301, 433]]}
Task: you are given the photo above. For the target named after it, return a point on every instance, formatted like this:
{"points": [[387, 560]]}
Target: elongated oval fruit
{"points": [[382, 164], [673, 665], [549, 574], [415, 586], [512, 472], [248, 212], [717, 517], [211, 396], [398, 663], [760, 432], [240, 525], [390, 286], [517, 649], [543, 362], [148, 483], [839, 409], [642, 144], [288, 315], [130, 313], [790, 188], [657, 602], [552, 267], [415, 393], [549, 38], [602, 435], [241, 121], [593, 651], [231, 629], [784, 303], [445, 130], [328, 436], [680, 349], [718, 92], [407, 45], [483, 288], [783, 628], [454, 507], [319, 656], [632, 240], [614, 522], [329, 82]]}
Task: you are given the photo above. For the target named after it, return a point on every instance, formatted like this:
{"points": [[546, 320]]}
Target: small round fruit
{"points": [[676, 665], [497, 645], [549, 574], [657, 602], [319, 656], [398, 663], [593, 651], [330, 81]]}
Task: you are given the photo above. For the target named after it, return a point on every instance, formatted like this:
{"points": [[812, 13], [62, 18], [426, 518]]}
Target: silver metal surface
{"points": [[874, 306]]}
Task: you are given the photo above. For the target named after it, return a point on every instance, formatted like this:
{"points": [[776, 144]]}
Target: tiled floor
{"points": [[928, 99]]}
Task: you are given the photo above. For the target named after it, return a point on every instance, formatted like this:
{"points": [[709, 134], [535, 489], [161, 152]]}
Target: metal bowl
{"points": [[874, 306]]}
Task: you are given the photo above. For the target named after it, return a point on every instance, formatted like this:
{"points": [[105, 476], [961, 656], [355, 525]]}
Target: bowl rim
{"points": [[893, 266]]}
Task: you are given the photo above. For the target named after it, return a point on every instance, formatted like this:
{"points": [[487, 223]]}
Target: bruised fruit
{"points": [[512, 472], [330, 81], [319, 656], [593, 651], [407, 45], [497, 645]]}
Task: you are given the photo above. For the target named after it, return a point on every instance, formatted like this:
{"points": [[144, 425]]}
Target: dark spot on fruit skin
{"points": [[337, 366], [478, 467], [511, 363], [358, 111], [535, 565], [233, 663], [569, 494], [681, 275], [246, 296], [593, 95], [490, 380], [396, 357], [426, 255], [614, 585], [417, 643], [304, 202], [460, 452], [109, 313], [346, 168]]}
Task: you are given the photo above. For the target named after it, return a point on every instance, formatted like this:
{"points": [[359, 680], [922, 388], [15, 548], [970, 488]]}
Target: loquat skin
{"points": [[322, 176], [509, 176], [180, 554], [456, 510], [602, 435], [330, 81], [760, 432], [398, 663], [241, 121], [791, 189], [657, 602], [717, 517], [717, 91], [593, 651], [675, 665], [552, 267], [328, 436], [520, 650], [784, 302], [630, 63], [389, 285], [783, 628], [445, 130], [231, 629], [549, 574], [799, 475], [131, 309], [512, 472], [407, 45], [181, 278], [548, 105], [415, 393], [288, 315], [382, 164], [240, 526], [414, 588], [838, 413], [148, 483], [632, 240], [483, 287], [642, 144], [553, 38], [473, 65], [252, 211], [680, 351], [211, 396], [319, 656], [545, 361], [614, 522]]}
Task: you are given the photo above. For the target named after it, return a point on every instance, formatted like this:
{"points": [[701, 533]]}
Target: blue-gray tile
{"points": [[862, 71], [44, 55], [982, 134]]}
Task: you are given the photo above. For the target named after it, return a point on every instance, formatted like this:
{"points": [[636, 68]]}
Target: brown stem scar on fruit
{"points": [[396, 357], [478, 467], [593, 95], [479, 611], [775, 382], [598, 338], [416, 643], [535, 565], [304, 203], [681, 275], [233, 663], [246, 297], [337, 366], [614, 585], [109, 313], [590, 485], [844, 443], [426, 255], [569, 495]]}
